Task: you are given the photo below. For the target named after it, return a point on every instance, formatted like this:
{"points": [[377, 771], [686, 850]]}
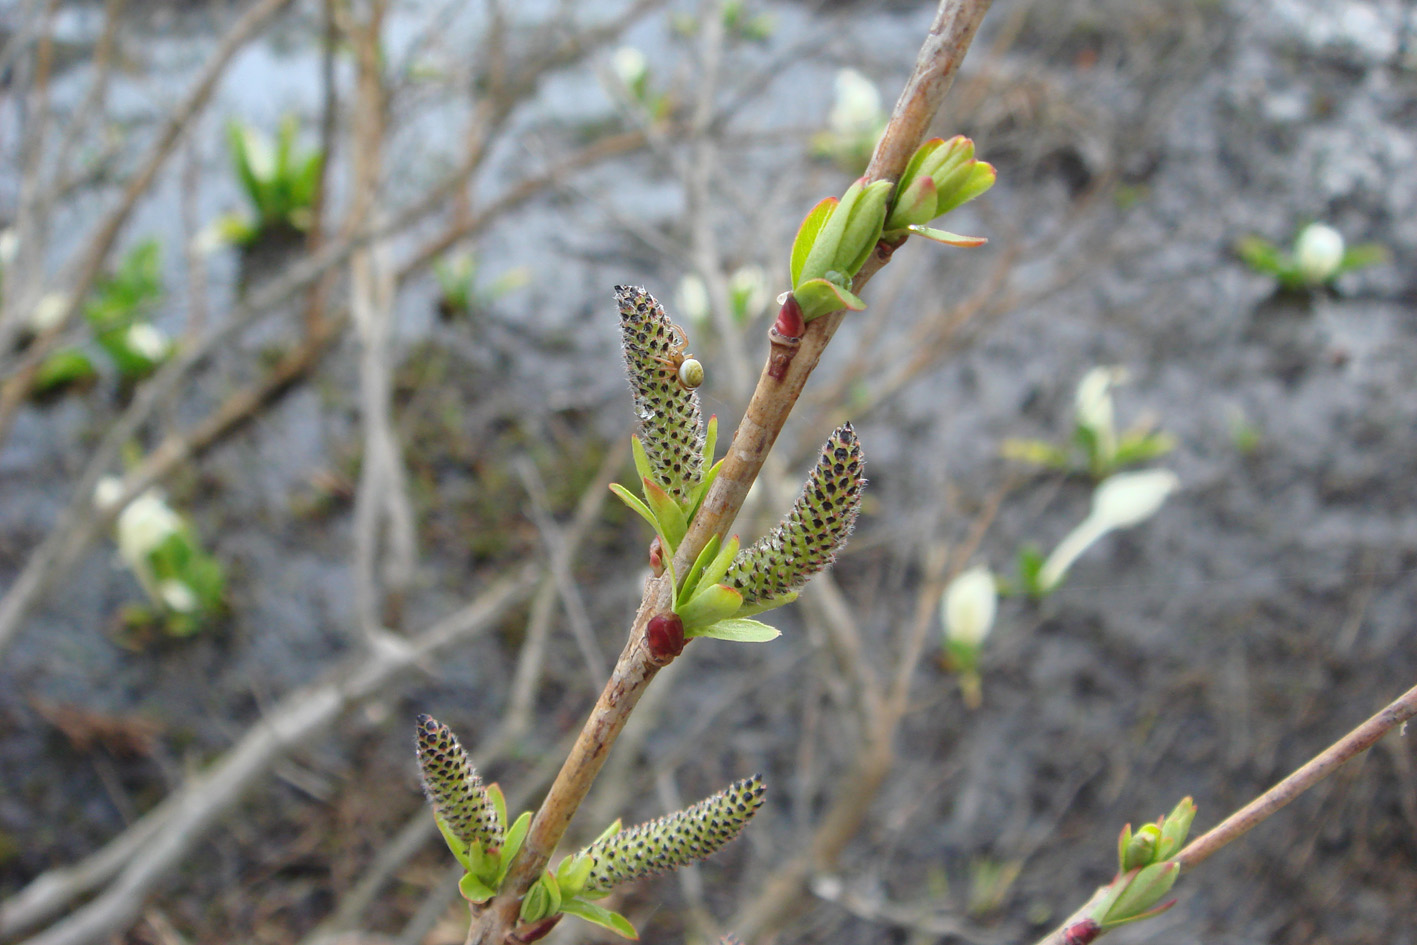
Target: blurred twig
{"points": [[157, 842], [91, 260]]}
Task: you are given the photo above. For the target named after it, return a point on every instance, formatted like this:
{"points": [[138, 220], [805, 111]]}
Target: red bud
{"points": [[665, 634], [789, 322]]}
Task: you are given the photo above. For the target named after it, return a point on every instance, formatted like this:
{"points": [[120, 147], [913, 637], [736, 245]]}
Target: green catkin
{"points": [[453, 787], [674, 840], [807, 540], [669, 421]]}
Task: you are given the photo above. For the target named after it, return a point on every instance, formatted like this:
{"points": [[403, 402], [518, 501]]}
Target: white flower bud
{"points": [[1318, 252], [748, 287], [857, 109], [1093, 400], [1119, 501], [969, 605], [142, 526], [148, 340], [107, 493], [629, 66], [9, 246], [177, 596], [48, 311], [1128, 499], [692, 298], [260, 153]]}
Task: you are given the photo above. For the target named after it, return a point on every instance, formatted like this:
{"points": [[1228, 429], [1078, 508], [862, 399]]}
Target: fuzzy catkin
{"points": [[669, 420], [674, 840], [459, 800], [808, 538]]}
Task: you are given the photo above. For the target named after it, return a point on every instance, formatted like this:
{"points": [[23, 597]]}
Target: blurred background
{"points": [[310, 390]]}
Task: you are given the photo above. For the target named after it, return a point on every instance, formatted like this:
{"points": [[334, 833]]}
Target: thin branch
{"points": [[1319, 767], [1396, 713]]}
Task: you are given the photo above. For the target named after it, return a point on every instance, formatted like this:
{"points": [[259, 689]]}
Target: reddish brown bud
{"points": [[789, 322], [1081, 933], [656, 556], [665, 635]]}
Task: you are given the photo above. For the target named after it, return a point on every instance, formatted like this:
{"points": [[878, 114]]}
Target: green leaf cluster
{"points": [[117, 312], [833, 243], [940, 176], [1265, 258], [278, 178], [461, 295], [1146, 871]]}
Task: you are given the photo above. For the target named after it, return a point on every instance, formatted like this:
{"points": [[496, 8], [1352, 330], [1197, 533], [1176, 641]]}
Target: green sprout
{"points": [[1121, 501], [1145, 870], [278, 178], [631, 80], [1097, 449], [1319, 257], [838, 235], [461, 296], [118, 313], [854, 123], [185, 585]]}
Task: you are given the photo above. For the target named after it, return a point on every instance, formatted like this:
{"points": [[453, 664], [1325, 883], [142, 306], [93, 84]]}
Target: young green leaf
{"points": [[945, 237], [807, 235], [513, 844], [710, 605], [474, 890], [694, 578], [672, 524], [637, 449], [738, 630], [601, 916], [633, 501]]}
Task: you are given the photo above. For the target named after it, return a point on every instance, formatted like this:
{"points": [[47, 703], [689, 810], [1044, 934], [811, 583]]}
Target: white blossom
{"points": [[692, 299], [259, 152], [748, 287], [9, 245], [1128, 499], [148, 340], [177, 596], [142, 526], [1093, 406], [629, 66], [1119, 501], [857, 108], [1318, 252], [48, 311], [107, 493], [968, 606]]}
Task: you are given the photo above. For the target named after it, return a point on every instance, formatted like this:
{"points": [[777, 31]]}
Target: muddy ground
{"points": [[1265, 611]]}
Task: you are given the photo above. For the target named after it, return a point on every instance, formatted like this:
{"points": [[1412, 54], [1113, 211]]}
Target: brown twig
{"points": [[1315, 770]]}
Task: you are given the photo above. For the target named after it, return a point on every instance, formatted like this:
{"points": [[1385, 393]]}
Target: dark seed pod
{"points": [[665, 635]]}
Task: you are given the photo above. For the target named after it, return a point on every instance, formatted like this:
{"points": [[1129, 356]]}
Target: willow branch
{"points": [[777, 391], [1232, 828]]}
